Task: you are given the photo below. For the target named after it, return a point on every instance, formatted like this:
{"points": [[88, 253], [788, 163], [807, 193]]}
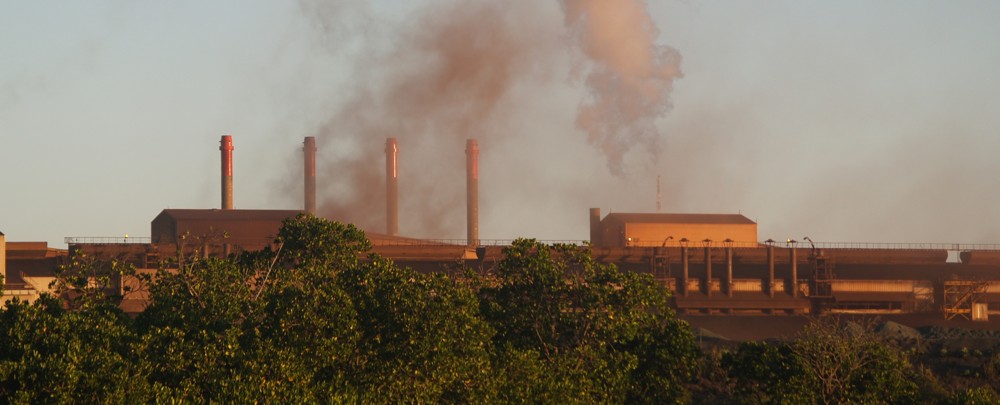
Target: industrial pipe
{"points": [[684, 265], [226, 146], [795, 271], [770, 268], [729, 269], [309, 153], [708, 268], [391, 188]]}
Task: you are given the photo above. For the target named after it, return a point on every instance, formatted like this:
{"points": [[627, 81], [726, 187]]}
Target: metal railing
{"points": [[900, 246], [112, 240], [828, 245], [106, 240], [463, 242]]}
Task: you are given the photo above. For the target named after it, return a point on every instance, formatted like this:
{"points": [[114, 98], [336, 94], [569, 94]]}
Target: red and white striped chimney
{"points": [[472, 190], [391, 188], [309, 158], [226, 146]]}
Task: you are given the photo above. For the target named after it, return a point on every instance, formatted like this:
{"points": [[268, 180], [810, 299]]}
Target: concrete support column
{"points": [[770, 270], [684, 264], [708, 270], [729, 271], [795, 272]]}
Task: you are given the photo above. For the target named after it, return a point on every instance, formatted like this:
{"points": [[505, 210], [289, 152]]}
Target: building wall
{"points": [[652, 234]]}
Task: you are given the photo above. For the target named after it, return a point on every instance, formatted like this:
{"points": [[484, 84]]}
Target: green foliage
{"points": [[88, 281], [315, 321], [421, 337], [50, 355], [830, 362], [599, 335], [307, 240], [768, 374], [975, 396], [852, 364]]}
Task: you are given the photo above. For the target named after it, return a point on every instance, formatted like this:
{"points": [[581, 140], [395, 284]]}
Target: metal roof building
{"points": [[245, 229], [630, 229]]}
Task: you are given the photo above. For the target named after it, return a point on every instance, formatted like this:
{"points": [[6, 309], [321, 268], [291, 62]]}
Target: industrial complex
{"points": [[714, 264]]}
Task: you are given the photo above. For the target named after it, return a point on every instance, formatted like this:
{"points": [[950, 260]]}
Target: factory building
{"points": [[633, 230], [712, 263], [27, 268], [230, 230]]}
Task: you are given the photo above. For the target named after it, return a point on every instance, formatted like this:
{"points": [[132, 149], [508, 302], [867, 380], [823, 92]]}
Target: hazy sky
{"points": [[839, 120]]}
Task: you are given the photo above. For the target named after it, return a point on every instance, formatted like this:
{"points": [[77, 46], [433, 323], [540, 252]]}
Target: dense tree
{"points": [[48, 354], [88, 281], [421, 338], [830, 362], [975, 396], [767, 373], [317, 318], [600, 335]]}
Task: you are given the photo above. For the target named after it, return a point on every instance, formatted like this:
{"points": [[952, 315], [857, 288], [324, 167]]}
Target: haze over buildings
{"points": [[845, 121]]}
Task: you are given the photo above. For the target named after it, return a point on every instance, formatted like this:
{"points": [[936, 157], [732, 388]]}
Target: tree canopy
{"points": [[318, 318]]}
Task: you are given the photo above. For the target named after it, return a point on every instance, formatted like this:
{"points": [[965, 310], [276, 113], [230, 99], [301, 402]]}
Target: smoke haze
{"points": [[461, 70], [630, 78]]}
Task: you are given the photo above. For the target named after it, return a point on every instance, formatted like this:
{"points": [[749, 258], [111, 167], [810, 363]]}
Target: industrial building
{"points": [[27, 268], [713, 263], [625, 229]]}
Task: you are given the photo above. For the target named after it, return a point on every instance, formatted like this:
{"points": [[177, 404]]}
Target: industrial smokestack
{"points": [[595, 227], [391, 188], [309, 153], [226, 146], [3, 258], [472, 190]]}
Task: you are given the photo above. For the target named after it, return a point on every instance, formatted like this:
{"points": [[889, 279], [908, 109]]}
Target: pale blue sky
{"points": [[843, 121]]}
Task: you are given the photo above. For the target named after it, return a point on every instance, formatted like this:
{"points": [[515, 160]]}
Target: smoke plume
{"points": [[630, 78], [455, 70]]}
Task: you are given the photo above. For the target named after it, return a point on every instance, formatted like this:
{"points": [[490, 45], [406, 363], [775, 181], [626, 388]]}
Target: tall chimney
{"points": [[226, 146], [309, 153], [3, 259], [472, 190], [595, 227], [391, 188]]}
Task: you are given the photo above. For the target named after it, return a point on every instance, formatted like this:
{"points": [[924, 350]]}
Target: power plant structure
{"points": [[714, 264]]}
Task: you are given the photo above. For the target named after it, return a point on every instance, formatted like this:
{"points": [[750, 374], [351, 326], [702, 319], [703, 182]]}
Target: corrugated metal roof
{"points": [[218, 214], [680, 218]]}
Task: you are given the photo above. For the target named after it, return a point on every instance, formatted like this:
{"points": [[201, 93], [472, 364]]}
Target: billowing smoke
{"points": [[455, 70], [630, 76]]}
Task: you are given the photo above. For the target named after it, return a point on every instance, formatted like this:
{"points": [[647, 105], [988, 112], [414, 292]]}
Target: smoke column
{"points": [[630, 79], [445, 76], [455, 69]]}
